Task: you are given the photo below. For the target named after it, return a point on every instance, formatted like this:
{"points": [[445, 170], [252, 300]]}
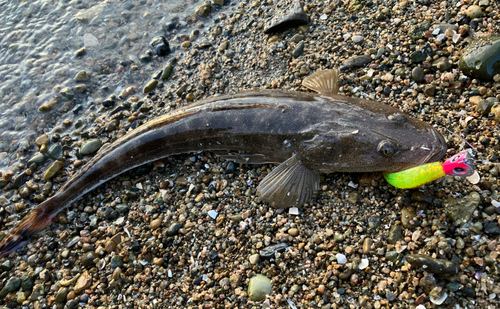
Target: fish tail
{"points": [[31, 224]]}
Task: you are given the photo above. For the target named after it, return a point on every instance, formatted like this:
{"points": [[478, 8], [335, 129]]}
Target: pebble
{"points": [[42, 140], [298, 50], [254, 259], [150, 86], [432, 265], [460, 210], [480, 58], [82, 76], [174, 229], [407, 215], [13, 284], [258, 287], [155, 224], [160, 46], [53, 169], [293, 232], [417, 74], [295, 18], [90, 146], [473, 11]]}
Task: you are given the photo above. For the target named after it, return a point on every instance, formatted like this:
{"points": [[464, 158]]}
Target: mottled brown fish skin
{"points": [[327, 133]]}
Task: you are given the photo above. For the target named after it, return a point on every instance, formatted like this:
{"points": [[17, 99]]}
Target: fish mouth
{"points": [[436, 152]]}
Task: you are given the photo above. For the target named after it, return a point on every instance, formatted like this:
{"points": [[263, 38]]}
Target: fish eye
{"points": [[458, 170], [387, 148], [397, 117]]}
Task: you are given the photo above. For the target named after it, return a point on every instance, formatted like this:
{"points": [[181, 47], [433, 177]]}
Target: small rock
{"points": [[174, 229], [12, 285], [167, 71], [42, 140], [341, 258], [296, 17], [491, 228], [293, 232], [432, 265], [395, 234], [160, 46], [116, 261], [90, 146], [474, 11], [61, 295], [417, 74], [407, 215], [441, 64], [67, 93], [258, 287], [150, 86], [355, 62], [480, 58], [298, 50], [88, 259], [156, 223], [81, 76], [204, 9], [460, 211], [254, 259], [83, 282], [269, 252], [421, 54], [53, 169]]}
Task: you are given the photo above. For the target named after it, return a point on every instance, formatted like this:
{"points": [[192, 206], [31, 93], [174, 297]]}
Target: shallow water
{"points": [[38, 41]]}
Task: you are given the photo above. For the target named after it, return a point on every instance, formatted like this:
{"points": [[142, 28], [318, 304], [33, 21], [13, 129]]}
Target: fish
{"points": [[305, 133]]}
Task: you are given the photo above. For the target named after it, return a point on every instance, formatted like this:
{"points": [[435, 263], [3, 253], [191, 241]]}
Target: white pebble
{"points": [[341, 259], [364, 264], [293, 211], [357, 38], [474, 178], [213, 214], [439, 300], [323, 17]]}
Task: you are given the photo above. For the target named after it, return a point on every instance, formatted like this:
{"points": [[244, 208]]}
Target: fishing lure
{"points": [[460, 164]]}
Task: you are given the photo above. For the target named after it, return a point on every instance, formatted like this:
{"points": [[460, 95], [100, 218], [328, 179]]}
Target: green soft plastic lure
{"points": [[460, 164]]}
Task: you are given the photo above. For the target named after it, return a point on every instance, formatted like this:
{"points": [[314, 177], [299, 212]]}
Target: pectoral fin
{"points": [[289, 184], [324, 82]]}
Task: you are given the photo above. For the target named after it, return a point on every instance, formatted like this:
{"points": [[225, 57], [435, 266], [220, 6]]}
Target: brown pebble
{"points": [[293, 232], [155, 224], [367, 245], [321, 289]]}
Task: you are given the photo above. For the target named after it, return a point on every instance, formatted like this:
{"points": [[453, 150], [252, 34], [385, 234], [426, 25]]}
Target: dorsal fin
{"points": [[324, 82]]}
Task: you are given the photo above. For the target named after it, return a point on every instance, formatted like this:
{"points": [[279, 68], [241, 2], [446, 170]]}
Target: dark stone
{"points": [[469, 292], [432, 265], [231, 168], [491, 228], [355, 62], [422, 54], [160, 46], [213, 255], [296, 17], [269, 252], [481, 59], [88, 259], [174, 229], [198, 281]]}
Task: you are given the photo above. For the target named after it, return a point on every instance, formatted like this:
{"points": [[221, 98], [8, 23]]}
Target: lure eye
{"points": [[458, 170], [387, 148]]}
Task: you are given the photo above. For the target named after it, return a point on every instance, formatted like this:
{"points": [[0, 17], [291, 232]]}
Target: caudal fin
{"points": [[31, 224]]}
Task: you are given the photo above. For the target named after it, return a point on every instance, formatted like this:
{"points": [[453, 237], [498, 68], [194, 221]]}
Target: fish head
{"points": [[371, 143]]}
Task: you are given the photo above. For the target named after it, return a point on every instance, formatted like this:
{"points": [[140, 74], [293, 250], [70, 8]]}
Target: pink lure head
{"points": [[460, 164]]}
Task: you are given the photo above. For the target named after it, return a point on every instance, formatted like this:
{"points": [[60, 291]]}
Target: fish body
{"points": [[307, 133]]}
